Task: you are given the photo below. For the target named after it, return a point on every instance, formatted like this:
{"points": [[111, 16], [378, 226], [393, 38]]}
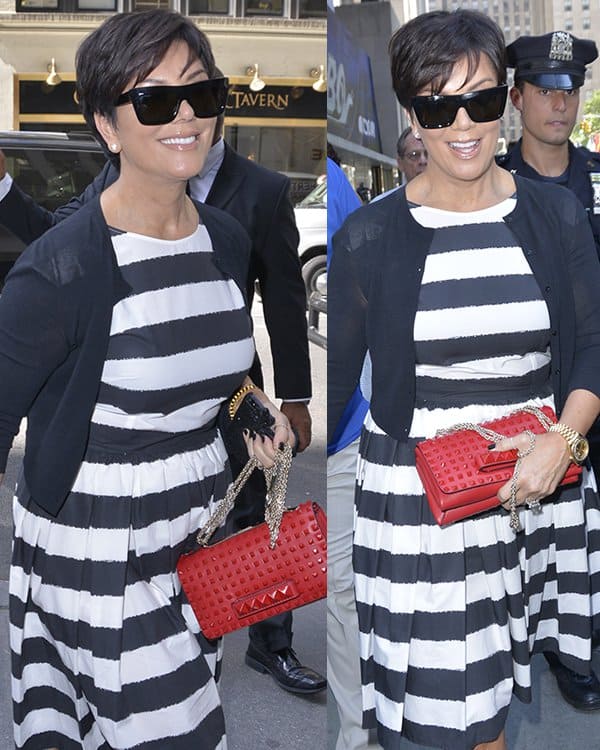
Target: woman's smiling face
{"points": [[177, 149], [465, 150]]}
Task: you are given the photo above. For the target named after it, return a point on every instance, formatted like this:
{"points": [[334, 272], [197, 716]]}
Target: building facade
{"points": [[373, 22], [273, 52]]}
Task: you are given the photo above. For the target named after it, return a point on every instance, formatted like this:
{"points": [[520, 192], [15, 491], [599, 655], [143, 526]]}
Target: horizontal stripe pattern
{"points": [[106, 650], [449, 618]]}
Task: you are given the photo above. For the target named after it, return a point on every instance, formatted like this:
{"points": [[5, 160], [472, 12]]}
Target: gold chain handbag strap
{"points": [[276, 478], [493, 436]]}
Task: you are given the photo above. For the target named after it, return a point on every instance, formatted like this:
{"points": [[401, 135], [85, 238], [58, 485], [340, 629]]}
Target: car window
{"points": [[317, 198], [52, 177]]}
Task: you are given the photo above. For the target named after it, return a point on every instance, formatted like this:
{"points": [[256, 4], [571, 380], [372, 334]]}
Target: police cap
{"points": [[551, 61]]}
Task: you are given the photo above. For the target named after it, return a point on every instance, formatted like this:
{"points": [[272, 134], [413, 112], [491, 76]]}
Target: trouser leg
{"points": [[343, 661]]}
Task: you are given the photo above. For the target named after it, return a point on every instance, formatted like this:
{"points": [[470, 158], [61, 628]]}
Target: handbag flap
{"points": [[461, 460]]}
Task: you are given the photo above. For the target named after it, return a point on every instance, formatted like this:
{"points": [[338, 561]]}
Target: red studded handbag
{"points": [[261, 571], [462, 477]]}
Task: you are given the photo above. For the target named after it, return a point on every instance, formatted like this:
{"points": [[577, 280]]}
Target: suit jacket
{"points": [[259, 199]]}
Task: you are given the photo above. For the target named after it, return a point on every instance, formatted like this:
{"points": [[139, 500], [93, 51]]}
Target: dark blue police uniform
{"points": [[582, 177]]}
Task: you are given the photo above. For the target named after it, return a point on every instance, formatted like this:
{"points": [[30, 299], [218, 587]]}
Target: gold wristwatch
{"points": [[578, 444]]}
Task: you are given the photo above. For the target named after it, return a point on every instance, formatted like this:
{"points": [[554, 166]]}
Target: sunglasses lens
{"points": [[208, 98], [435, 113], [154, 107], [487, 105]]}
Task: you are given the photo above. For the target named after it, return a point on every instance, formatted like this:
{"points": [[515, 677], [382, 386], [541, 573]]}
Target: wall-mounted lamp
{"points": [[320, 84], [53, 78], [257, 83]]}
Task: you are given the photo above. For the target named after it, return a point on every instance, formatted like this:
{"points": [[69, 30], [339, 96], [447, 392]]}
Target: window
{"points": [[263, 7], [298, 152], [198, 7], [52, 177], [312, 9], [149, 4], [569, 25], [586, 23], [66, 6]]}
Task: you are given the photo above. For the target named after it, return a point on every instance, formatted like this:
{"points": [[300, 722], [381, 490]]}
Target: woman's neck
{"points": [[161, 209], [438, 190]]}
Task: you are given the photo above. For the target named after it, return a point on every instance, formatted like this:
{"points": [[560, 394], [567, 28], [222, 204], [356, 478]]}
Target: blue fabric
{"points": [[342, 200]]}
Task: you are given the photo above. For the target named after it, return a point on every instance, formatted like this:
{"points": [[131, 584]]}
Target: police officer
{"points": [[549, 71]]}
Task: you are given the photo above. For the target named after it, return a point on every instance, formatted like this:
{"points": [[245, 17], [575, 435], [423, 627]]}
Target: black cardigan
{"points": [[373, 288], [55, 315]]}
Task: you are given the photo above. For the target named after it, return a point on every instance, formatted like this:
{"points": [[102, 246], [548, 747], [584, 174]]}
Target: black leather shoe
{"points": [[580, 691], [286, 670]]}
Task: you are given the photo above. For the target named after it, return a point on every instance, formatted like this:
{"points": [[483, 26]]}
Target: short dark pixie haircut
{"points": [[425, 50], [123, 50]]}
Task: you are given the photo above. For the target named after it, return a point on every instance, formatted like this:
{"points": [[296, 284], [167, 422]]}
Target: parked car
{"points": [[52, 168], [311, 220], [301, 184]]}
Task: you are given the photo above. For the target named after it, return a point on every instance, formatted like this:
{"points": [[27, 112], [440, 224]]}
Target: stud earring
{"points": [[114, 147], [417, 135]]}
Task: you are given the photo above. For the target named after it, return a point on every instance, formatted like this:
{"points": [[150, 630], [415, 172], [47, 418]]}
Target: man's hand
{"points": [[2, 164], [300, 420]]}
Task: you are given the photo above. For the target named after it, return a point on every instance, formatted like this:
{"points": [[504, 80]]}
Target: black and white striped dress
{"points": [[449, 617], [105, 652]]}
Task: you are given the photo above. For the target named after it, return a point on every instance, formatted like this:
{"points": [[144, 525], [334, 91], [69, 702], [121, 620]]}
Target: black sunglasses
{"points": [[440, 110], [157, 105]]}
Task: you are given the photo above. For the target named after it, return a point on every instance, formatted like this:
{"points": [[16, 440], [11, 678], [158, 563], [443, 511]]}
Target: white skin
{"points": [[547, 118], [462, 175], [411, 168]]}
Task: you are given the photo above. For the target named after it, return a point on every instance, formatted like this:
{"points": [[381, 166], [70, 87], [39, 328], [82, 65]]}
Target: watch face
{"points": [[580, 450]]}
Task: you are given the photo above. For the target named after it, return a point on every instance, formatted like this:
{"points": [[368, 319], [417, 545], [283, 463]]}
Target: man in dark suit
{"points": [[259, 199]]}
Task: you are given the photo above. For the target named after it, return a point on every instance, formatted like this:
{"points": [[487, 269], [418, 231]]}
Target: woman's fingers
{"points": [[518, 442], [541, 467]]}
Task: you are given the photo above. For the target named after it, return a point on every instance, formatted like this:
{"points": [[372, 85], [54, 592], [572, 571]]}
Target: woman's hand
{"points": [[264, 448], [541, 470]]}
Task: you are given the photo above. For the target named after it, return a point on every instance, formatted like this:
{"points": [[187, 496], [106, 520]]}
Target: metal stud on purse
{"points": [[261, 571]]}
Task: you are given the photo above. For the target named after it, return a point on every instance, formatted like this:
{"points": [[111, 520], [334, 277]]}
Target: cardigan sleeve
{"points": [[346, 326], [584, 277], [32, 344]]}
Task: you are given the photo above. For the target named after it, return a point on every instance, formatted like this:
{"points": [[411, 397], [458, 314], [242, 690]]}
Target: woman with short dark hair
{"points": [[475, 293], [123, 331]]}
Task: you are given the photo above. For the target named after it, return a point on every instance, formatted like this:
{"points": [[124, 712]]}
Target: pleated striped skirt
{"points": [[106, 651], [449, 618]]}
